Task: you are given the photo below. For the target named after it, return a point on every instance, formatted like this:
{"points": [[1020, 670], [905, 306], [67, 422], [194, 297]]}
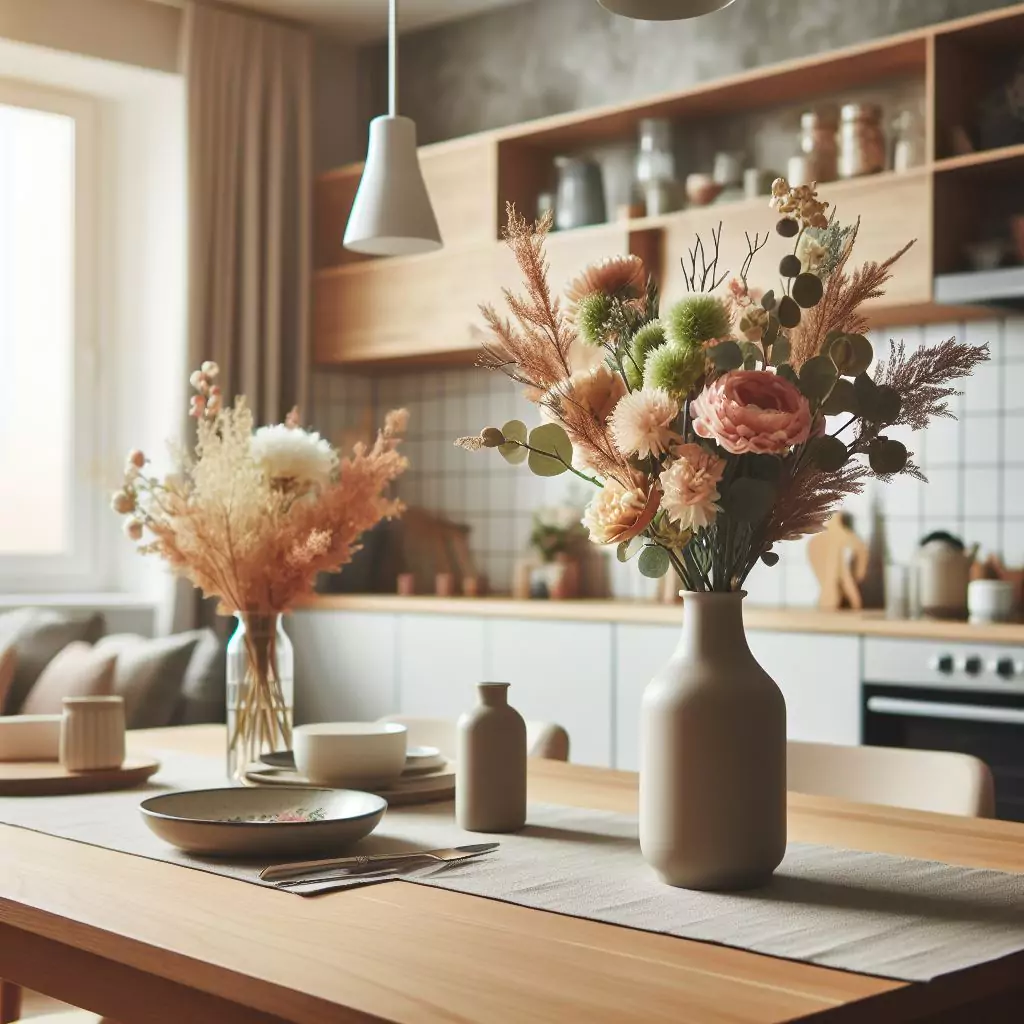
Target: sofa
{"points": [[46, 655]]}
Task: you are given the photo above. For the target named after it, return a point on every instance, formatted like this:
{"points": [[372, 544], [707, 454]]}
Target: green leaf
{"points": [[770, 557], [654, 562], [628, 548], [751, 355], [865, 390], [726, 355], [842, 398], [780, 351], [829, 453], [551, 439], [887, 404], [770, 334], [887, 457], [514, 430], [749, 499], [817, 377], [787, 371], [763, 467]]}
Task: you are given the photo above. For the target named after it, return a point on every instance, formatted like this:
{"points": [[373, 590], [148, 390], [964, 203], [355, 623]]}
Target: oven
{"points": [[962, 697]]}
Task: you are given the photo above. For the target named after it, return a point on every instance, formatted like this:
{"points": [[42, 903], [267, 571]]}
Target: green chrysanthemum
{"points": [[673, 369], [696, 319], [592, 316], [645, 341]]}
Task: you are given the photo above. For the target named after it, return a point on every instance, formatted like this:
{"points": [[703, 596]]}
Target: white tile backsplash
{"points": [[975, 464]]}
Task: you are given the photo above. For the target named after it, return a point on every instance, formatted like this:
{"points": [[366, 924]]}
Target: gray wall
{"points": [[549, 56]]}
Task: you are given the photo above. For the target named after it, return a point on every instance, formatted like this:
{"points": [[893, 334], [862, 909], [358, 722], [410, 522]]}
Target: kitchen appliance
{"points": [[964, 697], [942, 566]]}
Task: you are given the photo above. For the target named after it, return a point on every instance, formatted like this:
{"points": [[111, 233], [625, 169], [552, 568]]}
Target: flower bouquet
{"points": [[709, 431], [251, 518]]}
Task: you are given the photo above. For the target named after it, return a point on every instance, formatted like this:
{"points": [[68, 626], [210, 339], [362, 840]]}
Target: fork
{"points": [[438, 863]]}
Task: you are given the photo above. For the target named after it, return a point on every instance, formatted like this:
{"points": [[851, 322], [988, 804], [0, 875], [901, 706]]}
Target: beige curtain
{"points": [[250, 172]]}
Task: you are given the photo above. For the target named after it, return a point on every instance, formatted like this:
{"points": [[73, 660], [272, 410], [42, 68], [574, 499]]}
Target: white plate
{"points": [[423, 759], [409, 789], [263, 822]]}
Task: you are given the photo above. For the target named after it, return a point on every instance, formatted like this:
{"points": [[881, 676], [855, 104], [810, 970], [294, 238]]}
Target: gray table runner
{"points": [[865, 912]]}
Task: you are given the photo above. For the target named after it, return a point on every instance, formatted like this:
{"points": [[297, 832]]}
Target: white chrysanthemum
{"points": [[290, 453], [642, 422]]}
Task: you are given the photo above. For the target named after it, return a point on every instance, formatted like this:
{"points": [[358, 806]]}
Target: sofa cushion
{"points": [[203, 694], [37, 635], [149, 675], [79, 670], [8, 662]]}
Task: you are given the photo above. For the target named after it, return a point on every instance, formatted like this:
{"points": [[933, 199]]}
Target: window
{"points": [[48, 422]]}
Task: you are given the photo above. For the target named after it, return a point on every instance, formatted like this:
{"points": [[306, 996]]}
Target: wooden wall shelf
{"points": [[376, 312]]}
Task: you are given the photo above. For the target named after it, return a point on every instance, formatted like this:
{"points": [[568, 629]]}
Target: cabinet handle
{"points": [[930, 709]]}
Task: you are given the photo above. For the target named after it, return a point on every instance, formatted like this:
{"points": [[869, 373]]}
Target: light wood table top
{"points": [[144, 940]]}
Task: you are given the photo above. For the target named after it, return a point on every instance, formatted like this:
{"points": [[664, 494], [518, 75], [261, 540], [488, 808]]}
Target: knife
{"points": [[354, 865]]}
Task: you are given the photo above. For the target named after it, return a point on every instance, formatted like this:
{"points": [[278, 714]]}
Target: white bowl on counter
{"points": [[350, 754], [30, 737]]}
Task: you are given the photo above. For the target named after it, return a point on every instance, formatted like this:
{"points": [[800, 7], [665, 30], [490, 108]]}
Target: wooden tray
{"points": [[48, 778], [415, 789]]}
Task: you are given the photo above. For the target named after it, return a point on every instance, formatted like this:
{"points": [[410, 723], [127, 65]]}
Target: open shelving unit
{"points": [[374, 312]]}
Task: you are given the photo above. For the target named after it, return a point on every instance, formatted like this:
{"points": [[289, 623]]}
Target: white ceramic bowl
{"points": [[262, 822], [350, 754], [29, 737]]}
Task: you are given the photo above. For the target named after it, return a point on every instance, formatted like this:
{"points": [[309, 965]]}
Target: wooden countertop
{"points": [[782, 620]]}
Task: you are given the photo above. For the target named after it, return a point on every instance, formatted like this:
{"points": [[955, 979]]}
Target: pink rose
{"points": [[752, 411]]}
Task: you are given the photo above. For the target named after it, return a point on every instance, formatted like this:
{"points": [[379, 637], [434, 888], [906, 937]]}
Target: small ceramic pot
{"points": [[990, 600], [702, 189], [92, 733]]}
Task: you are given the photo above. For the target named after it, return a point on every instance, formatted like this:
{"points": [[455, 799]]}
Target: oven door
{"points": [[990, 726]]}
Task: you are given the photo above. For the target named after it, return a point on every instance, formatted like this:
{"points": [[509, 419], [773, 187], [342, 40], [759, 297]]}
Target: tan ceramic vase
{"points": [[490, 770], [92, 733], [713, 756]]}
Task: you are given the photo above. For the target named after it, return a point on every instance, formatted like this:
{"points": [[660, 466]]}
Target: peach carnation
{"points": [[642, 422], [621, 277], [752, 411], [616, 514], [690, 487], [597, 390]]}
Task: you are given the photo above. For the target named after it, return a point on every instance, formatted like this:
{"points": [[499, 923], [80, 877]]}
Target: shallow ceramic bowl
{"points": [[702, 189], [353, 754], [30, 737], [241, 822]]}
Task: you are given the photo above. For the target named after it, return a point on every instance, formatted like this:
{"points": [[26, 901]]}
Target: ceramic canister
{"points": [[92, 733]]}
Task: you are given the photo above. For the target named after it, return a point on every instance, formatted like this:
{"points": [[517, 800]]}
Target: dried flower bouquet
{"points": [[251, 518], [706, 427]]}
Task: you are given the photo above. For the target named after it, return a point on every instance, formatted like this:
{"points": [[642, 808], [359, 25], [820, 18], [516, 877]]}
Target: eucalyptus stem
{"points": [[558, 458]]}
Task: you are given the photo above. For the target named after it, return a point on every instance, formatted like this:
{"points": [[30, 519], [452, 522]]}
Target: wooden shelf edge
{"points": [[983, 158]]}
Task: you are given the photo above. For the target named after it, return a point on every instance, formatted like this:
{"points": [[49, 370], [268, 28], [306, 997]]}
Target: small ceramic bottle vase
{"points": [[713, 756], [92, 733], [490, 771]]}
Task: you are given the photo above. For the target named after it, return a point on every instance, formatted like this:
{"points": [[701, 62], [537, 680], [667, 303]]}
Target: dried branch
{"points": [[704, 279], [839, 309], [923, 378]]}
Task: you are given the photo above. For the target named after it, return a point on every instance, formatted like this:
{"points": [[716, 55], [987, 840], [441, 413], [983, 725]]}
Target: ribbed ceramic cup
{"points": [[92, 733]]}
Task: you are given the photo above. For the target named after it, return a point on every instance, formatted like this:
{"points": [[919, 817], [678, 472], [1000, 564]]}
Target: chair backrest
{"points": [[543, 739], [922, 780]]}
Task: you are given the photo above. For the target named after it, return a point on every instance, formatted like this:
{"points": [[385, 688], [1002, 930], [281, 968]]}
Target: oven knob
{"points": [[1005, 668], [942, 663], [972, 665]]}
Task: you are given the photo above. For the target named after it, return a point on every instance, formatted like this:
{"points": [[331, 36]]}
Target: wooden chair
{"points": [[921, 780], [543, 739]]}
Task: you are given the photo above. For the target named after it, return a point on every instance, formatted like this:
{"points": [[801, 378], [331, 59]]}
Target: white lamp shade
{"points": [[663, 10], [391, 214]]}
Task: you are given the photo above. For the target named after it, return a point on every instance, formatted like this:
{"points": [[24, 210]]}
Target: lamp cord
{"points": [[393, 57]]}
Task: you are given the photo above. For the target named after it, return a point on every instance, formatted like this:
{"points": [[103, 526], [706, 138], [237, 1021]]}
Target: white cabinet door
{"points": [[819, 675], [640, 651], [560, 672], [345, 665], [440, 661]]}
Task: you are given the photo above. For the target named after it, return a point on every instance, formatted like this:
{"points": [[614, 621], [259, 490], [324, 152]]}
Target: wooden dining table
{"points": [[144, 940]]}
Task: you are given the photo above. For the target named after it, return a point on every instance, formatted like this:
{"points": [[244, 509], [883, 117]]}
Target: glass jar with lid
{"points": [[818, 145], [861, 140]]}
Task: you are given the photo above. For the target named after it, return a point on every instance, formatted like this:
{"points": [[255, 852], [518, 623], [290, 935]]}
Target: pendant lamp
{"points": [[663, 10], [391, 214]]}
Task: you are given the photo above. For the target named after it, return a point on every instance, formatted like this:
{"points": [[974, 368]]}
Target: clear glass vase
{"points": [[261, 685]]}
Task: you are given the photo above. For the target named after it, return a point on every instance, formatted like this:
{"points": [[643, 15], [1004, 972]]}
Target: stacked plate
{"points": [[428, 776]]}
